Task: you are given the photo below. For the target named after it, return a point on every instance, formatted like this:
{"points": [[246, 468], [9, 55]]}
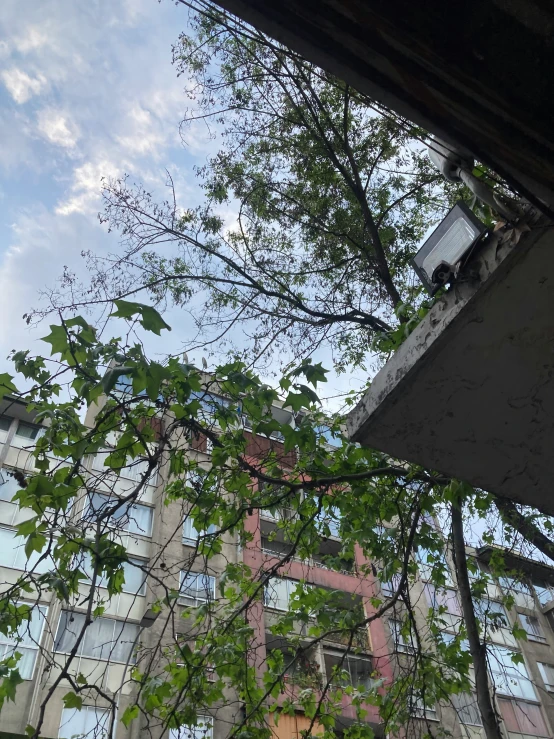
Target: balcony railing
{"points": [[360, 639]]}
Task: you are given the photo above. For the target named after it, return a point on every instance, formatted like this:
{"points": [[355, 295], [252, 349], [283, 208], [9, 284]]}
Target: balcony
{"points": [[476, 375]]}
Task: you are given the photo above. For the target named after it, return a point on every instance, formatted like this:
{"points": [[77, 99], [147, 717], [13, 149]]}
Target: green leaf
{"points": [[150, 318], [72, 700], [6, 384], [129, 714], [58, 339]]}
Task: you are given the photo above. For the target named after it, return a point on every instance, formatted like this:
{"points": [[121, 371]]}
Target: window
{"points": [[5, 423], [521, 591], [545, 593], [547, 674], [26, 641], [105, 638], [8, 485], [134, 470], [418, 707], [209, 404], [89, 722], [446, 597], [532, 627], [467, 709], [12, 554], [492, 615], [349, 670], [196, 588], [402, 643], [25, 434], [522, 718], [278, 592], [135, 579], [190, 533], [390, 586], [133, 518], [203, 729], [27, 430], [429, 561], [509, 678]]}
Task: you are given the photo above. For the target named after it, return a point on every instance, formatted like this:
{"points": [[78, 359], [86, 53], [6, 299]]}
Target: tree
{"points": [[333, 198], [141, 417]]}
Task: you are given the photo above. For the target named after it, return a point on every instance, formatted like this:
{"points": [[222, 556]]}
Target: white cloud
{"points": [[57, 128], [21, 86], [33, 38], [143, 134], [86, 188]]}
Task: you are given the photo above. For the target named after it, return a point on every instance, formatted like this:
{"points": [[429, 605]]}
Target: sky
{"points": [[87, 90]]}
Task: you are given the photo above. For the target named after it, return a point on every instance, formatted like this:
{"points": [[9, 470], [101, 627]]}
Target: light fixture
{"points": [[436, 261]]}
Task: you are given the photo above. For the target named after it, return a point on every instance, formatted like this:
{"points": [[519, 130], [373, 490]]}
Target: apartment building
{"points": [[162, 545]]}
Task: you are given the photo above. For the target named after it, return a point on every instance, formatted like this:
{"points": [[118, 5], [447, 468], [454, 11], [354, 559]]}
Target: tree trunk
{"points": [[477, 649]]}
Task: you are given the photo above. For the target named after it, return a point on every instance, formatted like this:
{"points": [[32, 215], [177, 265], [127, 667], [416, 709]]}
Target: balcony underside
{"points": [[471, 392]]}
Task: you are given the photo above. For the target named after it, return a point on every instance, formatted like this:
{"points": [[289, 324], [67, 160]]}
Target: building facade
{"points": [[164, 555]]}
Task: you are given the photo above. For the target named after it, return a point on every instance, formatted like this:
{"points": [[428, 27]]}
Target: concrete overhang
{"points": [[470, 393], [475, 72], [517, 562]]}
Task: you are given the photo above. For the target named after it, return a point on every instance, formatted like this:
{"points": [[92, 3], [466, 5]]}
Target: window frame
{"points": [[82, 713], [114, 522], [510, 675], [190, 541], [46, 565], [102, 580], [197, 601], [538, 635], [290, 586], [109, 659], [402, 647], [9, 641]]}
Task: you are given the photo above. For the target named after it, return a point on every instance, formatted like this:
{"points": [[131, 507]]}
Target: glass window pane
{"points": [[509, 678], [5, 423], [467, 709], [532, 627], [89, 722], [7, 547], [26, 641], [544, 592], [547, 674], [140, 520], [276, 594], [27, 430], [135, 578], [437, 597], [69, 628], [8, 485], [99, 639], [125, 636]]}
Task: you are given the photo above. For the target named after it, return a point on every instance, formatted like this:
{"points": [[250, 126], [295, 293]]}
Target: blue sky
{"points": [[87, 90]]}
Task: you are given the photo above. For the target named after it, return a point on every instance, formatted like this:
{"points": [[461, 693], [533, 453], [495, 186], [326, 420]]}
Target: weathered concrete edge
{"points": [[491, 262]]}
